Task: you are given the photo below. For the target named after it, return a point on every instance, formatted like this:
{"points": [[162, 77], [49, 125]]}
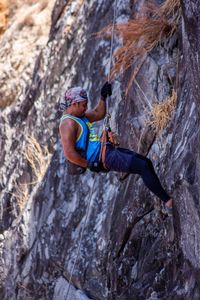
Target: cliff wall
{"points": [[130, 250]]}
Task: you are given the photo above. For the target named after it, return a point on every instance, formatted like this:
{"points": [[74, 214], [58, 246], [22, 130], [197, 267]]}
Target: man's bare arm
{"points": [[68, 132], [98, 113]]}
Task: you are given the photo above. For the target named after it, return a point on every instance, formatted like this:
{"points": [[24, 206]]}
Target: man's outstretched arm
{"points": [[99, 112]]}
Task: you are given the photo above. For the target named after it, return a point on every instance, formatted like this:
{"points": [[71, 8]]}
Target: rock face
{"points": [[129, 250], [27, 24]]}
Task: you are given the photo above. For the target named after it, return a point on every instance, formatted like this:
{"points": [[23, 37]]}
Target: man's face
{"points": [[80, 108]]}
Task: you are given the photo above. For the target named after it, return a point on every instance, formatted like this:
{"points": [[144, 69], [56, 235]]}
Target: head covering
{"points": [[73, 95]]}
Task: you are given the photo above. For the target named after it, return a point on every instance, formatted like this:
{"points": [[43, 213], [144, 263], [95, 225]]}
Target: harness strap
{"points": [[105, 139]]}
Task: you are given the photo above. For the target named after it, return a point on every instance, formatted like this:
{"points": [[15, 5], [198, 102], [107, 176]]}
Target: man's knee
{"points": [[139, 164], [149, 164]]}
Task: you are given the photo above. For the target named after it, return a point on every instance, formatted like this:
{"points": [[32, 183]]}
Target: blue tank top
{"points": [[87, 130]]}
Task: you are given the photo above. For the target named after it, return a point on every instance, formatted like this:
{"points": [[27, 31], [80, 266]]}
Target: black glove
{"points": [[106, 90], [95, 166]]}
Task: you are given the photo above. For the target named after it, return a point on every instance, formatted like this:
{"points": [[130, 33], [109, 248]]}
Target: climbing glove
{"points": [[95, 166], [106, 91]]}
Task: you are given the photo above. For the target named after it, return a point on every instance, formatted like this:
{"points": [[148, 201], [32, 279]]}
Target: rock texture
{"points": [[129, 249], [27, 26]]}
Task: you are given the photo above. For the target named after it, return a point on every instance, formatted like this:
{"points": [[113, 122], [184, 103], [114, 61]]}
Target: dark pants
{"points": [[124, 160]]}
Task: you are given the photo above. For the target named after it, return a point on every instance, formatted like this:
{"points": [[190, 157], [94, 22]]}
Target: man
{"points": [[82, 146]]}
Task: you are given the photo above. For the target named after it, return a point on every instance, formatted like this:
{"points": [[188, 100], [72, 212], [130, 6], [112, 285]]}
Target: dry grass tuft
{"points": [[21, 194], [162, 112], [144, 33], [140, 37], [171, 9], [37, 157]]}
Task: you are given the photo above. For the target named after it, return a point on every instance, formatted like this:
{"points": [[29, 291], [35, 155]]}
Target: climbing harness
{"points": [[110, 136]]}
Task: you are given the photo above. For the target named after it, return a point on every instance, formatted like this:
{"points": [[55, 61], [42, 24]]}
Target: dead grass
{"points": [[161, 113], [37, 156], [144, 33], [140, 37], [21, 194], [170, 9]]}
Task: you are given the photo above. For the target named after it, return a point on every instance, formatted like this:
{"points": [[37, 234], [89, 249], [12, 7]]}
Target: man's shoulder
{"points": [[68, 121], [69, 125]]}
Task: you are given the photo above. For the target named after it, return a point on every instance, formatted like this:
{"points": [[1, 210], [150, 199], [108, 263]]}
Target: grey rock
{"points": [[129, 250]]}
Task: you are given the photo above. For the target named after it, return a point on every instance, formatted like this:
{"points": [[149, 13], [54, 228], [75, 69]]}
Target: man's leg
{"points": [[124, 160], [144, 167]]}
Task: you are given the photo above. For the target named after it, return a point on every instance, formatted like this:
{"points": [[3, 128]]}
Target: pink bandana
{"points": [[73, 95]]}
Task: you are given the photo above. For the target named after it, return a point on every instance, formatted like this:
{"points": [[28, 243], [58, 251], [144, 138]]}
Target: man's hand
{"points": [[106, 91], [95, 166]]}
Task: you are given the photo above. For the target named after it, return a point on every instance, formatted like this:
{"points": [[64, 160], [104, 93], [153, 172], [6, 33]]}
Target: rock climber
{"points": [[82, 145]]}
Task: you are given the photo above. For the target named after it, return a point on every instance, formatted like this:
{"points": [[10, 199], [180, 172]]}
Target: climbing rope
{"points": [[106, 124], [107, 118], [110, 61], [145, 97], [112, 39]]}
